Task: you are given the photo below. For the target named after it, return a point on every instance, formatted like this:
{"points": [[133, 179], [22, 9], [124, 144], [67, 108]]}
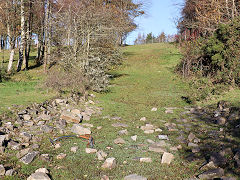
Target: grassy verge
{"points": [[22, 88]]}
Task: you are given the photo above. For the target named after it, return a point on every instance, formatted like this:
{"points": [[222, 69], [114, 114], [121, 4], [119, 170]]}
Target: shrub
{"points": [[61, 80]]}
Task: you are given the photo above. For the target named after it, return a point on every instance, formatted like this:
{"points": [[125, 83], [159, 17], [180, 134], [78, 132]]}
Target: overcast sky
{"points": [[161, 15]]}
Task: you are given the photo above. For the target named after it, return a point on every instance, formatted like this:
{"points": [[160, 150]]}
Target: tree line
{"points": [[79, 36], [151, 38]]}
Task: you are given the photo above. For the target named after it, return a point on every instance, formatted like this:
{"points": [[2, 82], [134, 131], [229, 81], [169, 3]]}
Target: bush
{"points": [[221, 54], [61, 80]]}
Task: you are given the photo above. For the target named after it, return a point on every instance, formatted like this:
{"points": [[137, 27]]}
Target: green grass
{"points": [[22, 88], [145, 80]]}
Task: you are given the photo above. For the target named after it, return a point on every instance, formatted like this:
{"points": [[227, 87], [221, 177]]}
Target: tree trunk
{"points": [[22, 44], [46, 35], [12, 48], [28, 35]]}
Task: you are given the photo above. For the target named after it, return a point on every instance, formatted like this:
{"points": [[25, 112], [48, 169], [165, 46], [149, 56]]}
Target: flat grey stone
{"points": [[119, 125], [134, 177], [29, 157], [39, 176]]}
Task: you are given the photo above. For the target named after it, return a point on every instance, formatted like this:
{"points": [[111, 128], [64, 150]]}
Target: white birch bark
{"points": [[21, 49]]}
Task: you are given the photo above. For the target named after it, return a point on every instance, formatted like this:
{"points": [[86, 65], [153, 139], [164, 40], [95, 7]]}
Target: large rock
{"points": [[167, 158], [39, 176], [109, 163], [80, 130], [71, 117], [211, 174], [134, 177], [29, 157]]}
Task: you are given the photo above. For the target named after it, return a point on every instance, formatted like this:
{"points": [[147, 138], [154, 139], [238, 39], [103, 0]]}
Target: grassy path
{"points": [[145, 80]]}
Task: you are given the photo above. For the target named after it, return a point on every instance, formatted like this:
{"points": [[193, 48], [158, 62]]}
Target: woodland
{"points": [[80, 38]]}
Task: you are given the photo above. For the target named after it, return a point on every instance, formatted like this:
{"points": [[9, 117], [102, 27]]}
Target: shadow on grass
{"points": [[128, 54], [219, 143]]}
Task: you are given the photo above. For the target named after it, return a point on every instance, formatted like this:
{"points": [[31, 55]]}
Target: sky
{"points": [[160, 18]]}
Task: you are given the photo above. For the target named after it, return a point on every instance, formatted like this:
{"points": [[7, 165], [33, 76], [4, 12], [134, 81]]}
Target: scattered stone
{"points": [[2, 170], [80, 130], [208, 166], [104, 177], [47, 129], [192, 145], [90, 150], [74, 149], [143, 119], [22, 152], [191, 137], [196, 140], [14, 145], [119, 141], [2, 139], [101, 155], [156, 148], [42, 170], [61, 156], [150, 141], [123, 132], [120, 125], [134, 177], [116, 118], [35, 146], [2, 150], [87, 125], [76, 111], [149, 131], [158, 130], [60, 101], [211, 174], [163, 137], [26, 117], [45, 117], [196, 150], [45, 157], [9, 172], [26, 136], [134, 138], [154, 109], [147, 127], [28, 158], [38, 176], [71, 117], [99, 127], [167, 158], [169, 111], [109, 163], [57, 146], [148, 160], [28, 123], [221, 120]]}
